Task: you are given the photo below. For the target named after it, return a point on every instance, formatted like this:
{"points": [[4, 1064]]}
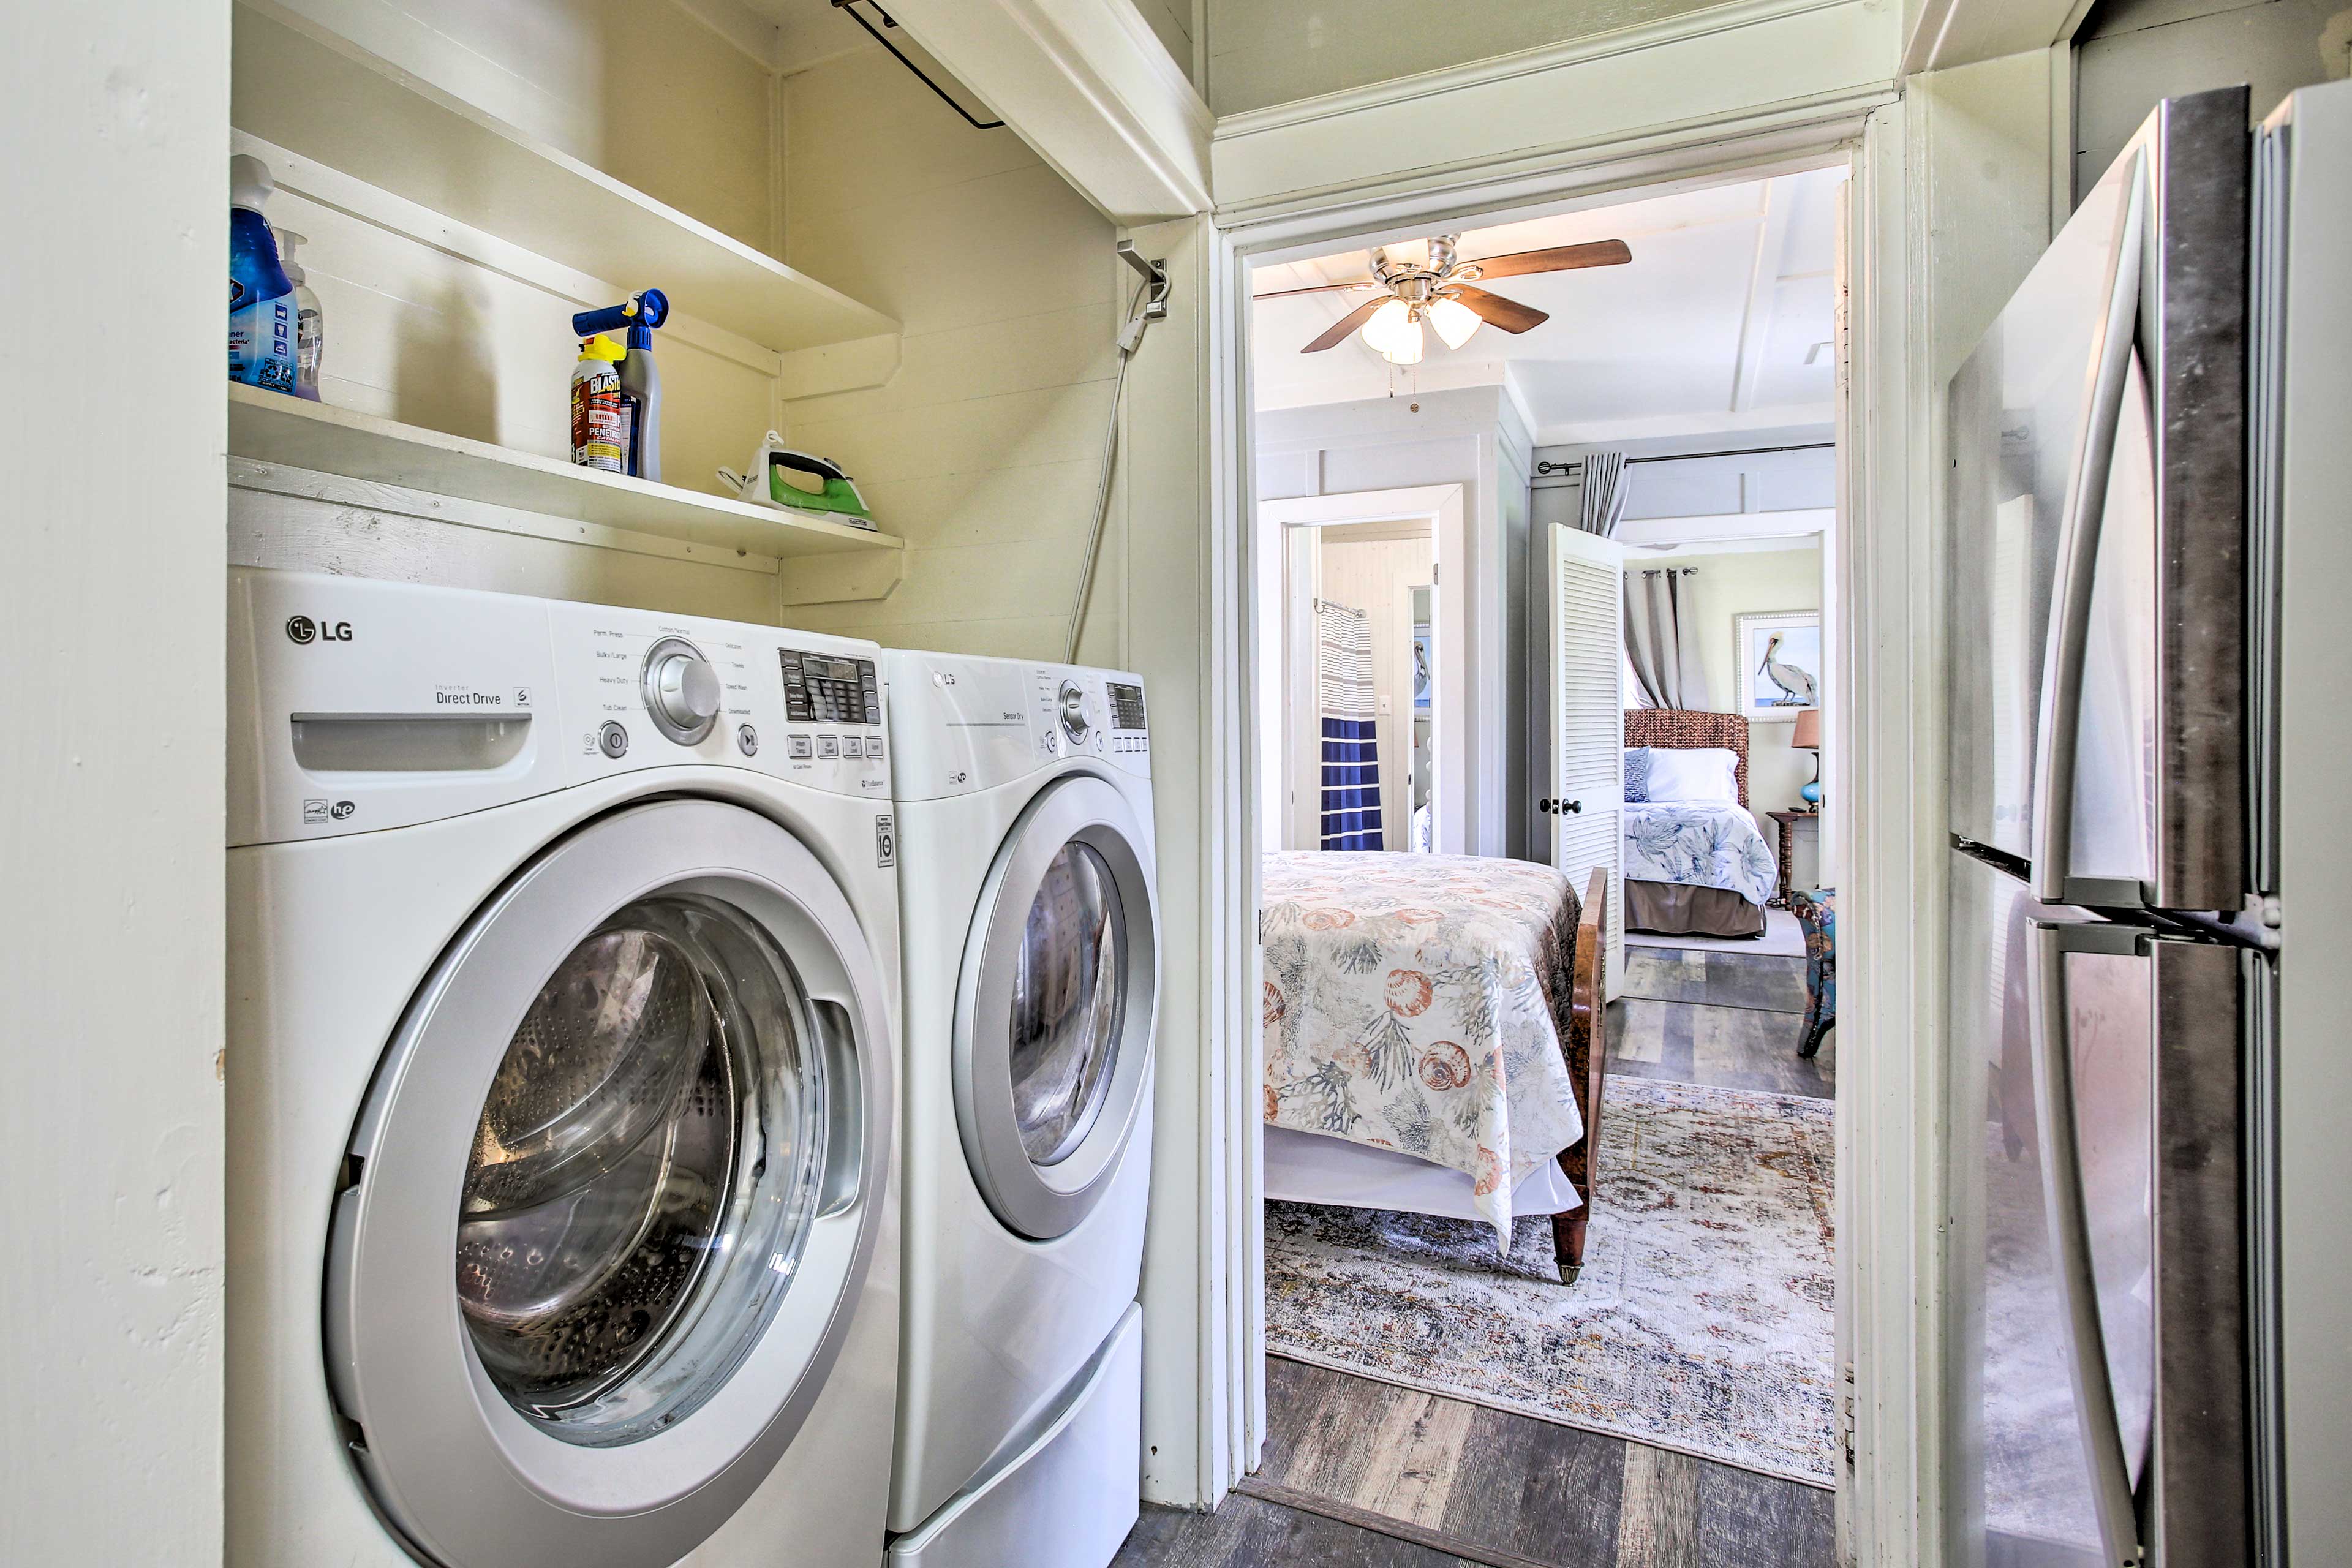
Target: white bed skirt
{"points": [[1310, 1168]]}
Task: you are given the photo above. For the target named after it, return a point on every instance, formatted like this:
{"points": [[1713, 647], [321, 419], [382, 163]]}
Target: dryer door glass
{"points": [[650, 1146], [1069, 998]]}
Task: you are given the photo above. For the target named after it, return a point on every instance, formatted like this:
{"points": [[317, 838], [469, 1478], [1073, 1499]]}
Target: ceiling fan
{"points": [[1437, 290]]}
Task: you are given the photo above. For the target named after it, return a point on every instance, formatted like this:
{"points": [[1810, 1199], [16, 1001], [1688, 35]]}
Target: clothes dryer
{"points": [[1030, 932]]}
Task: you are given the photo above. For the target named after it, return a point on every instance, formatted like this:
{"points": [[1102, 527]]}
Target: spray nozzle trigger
{"points": [[638, 313]]}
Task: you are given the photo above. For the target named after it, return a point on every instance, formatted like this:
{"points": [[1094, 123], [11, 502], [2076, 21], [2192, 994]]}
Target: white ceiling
{"points": [[1708, 328]]}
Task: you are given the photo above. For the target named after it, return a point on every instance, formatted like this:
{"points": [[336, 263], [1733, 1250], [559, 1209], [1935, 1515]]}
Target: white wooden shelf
{"points": [[271, 428], [315, 92]]}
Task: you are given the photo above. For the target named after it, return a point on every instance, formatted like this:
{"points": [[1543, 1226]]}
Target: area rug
{"points": [[1701, 1322]]}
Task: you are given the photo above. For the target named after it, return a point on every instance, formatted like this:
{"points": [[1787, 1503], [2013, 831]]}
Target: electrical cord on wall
{"points": [[1138, 316]]}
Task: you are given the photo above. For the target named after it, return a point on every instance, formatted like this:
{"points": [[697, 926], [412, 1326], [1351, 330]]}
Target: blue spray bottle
{"points": [[640, 379], [261, 323]]}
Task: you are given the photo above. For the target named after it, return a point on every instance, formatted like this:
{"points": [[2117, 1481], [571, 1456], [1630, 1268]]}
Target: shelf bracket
{"points": [[1155, 273], [840, 579]]}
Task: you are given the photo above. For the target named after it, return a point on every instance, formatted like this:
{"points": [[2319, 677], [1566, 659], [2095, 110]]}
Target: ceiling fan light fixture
{"points": [[1405, 346], [1454, 322], [1387, 324]]}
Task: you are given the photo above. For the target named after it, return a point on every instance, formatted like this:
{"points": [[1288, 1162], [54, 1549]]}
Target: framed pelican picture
{"points": [[1779, 653]]}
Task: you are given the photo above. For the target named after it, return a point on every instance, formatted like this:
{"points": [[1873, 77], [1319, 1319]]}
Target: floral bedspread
{"points": [[1417, 1002], [1700, 846]]}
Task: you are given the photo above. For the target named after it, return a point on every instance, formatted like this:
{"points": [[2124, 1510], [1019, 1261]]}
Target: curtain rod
{"points": [[1545, 469]]}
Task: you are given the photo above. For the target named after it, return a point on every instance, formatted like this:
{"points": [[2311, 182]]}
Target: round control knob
{"points": [[682, 692], [1072, 698]]}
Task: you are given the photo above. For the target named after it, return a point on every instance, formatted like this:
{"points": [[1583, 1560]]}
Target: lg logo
{"points": [[303, 630]]}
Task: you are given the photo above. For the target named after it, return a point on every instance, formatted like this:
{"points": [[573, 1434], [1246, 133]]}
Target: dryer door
{"points": [[613, 1198], [1055, 1007]]}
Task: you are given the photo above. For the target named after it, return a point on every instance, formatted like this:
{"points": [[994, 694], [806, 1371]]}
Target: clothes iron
{"points": [[769, 480]]}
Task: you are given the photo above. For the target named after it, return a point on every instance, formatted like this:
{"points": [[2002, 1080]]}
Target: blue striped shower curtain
{"points": [[1352, 763]]}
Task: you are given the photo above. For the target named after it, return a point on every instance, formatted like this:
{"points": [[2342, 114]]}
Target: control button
{"points": [[873, 747], [852, 746], [682, 692], [1072, 701], [748, 739], [828, 745], [613, 739], [798, 745]]}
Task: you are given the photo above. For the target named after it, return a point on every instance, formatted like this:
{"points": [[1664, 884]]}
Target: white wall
{"points": [[110, 820], [643, 90], [2131, 53], [1264, 52], [1737, 584], [1474, 437], [982, 450], [1378, 576]]}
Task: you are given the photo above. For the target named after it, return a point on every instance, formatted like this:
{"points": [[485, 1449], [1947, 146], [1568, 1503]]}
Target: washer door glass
{"points": [[1069, 999], [1053, 1008], [643, 1173]]}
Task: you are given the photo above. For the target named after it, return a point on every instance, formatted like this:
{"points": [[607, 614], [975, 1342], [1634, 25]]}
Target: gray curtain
{"points": [[1660, 640], [1602, 496]]}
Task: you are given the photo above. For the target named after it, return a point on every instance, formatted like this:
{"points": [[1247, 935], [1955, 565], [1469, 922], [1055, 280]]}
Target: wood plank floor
{"points": [[1728, 1020], [1368, 1475], [1718, 979], [1363, 1472]]}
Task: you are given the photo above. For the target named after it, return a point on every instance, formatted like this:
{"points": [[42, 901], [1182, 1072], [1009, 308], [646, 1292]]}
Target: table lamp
{"points": [[1808, 737]]}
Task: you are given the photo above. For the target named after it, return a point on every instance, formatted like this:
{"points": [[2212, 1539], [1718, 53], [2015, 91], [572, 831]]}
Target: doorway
{"points": [[1379, 555], [1525, 590]]}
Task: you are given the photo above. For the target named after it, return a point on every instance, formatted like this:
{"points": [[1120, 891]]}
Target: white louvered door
{"points": [[1587, 719]]}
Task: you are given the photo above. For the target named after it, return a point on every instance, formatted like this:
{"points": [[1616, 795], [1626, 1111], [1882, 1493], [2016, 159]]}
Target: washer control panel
{"points": [[360, 705]]}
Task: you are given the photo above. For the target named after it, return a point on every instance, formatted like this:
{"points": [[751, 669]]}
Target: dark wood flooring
{"points": [[1728, 1020], [1358, 1474]]}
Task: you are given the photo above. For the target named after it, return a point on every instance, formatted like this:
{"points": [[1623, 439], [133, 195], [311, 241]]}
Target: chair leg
{"points": [[1812, 1041], [1568, 1242]]}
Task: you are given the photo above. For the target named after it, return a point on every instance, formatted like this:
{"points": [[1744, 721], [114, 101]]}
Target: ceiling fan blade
{"points": [[1493, 309], [1338, 331], [1558, 258], [1317, 289]]}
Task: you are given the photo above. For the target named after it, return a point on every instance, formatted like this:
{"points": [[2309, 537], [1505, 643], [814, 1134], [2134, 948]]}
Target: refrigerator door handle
{"points": [[2064, 1203], [2052, 843]]}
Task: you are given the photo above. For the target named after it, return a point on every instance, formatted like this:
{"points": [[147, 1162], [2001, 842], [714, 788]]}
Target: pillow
{"points": [[1707, 775], [1637, 775]]}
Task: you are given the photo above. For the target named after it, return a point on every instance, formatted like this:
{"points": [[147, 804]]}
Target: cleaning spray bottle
{"points": [[640, 378], [261, 325], [310, 321], [600, 421]]}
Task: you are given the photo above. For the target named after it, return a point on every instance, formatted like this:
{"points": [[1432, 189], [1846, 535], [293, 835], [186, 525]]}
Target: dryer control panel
{"points": [[962, 723], [357, 705]]}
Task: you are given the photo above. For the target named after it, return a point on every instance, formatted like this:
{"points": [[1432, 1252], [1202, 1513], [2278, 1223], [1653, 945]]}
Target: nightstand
{"points": [[1788, 821]]}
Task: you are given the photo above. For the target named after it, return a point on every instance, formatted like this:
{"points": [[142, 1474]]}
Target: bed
{"points": [[1694, 867], [1433, 1038]]}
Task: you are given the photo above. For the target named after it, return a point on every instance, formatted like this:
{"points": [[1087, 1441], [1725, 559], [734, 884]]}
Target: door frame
{"points": [[1882, 710], [1442, 506]]}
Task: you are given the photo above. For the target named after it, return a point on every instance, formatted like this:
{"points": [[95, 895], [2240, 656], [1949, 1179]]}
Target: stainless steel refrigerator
{"points": [[2116, 442]]}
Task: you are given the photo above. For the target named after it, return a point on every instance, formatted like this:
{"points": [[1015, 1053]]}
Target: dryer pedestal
{"points": [[1066, 1498]]}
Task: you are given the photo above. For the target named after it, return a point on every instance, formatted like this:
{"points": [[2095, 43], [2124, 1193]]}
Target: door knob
{"points": [[1571, 806]]}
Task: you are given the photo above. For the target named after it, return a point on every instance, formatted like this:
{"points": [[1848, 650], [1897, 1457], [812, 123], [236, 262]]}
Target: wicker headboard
{"points": [[1689, 729]]}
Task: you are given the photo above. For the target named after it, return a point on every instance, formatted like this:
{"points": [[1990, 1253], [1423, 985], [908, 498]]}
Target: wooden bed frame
{"points": [[1587, 1047]]}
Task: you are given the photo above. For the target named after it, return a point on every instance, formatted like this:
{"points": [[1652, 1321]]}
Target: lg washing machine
{"points": [[561, 1076]]}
